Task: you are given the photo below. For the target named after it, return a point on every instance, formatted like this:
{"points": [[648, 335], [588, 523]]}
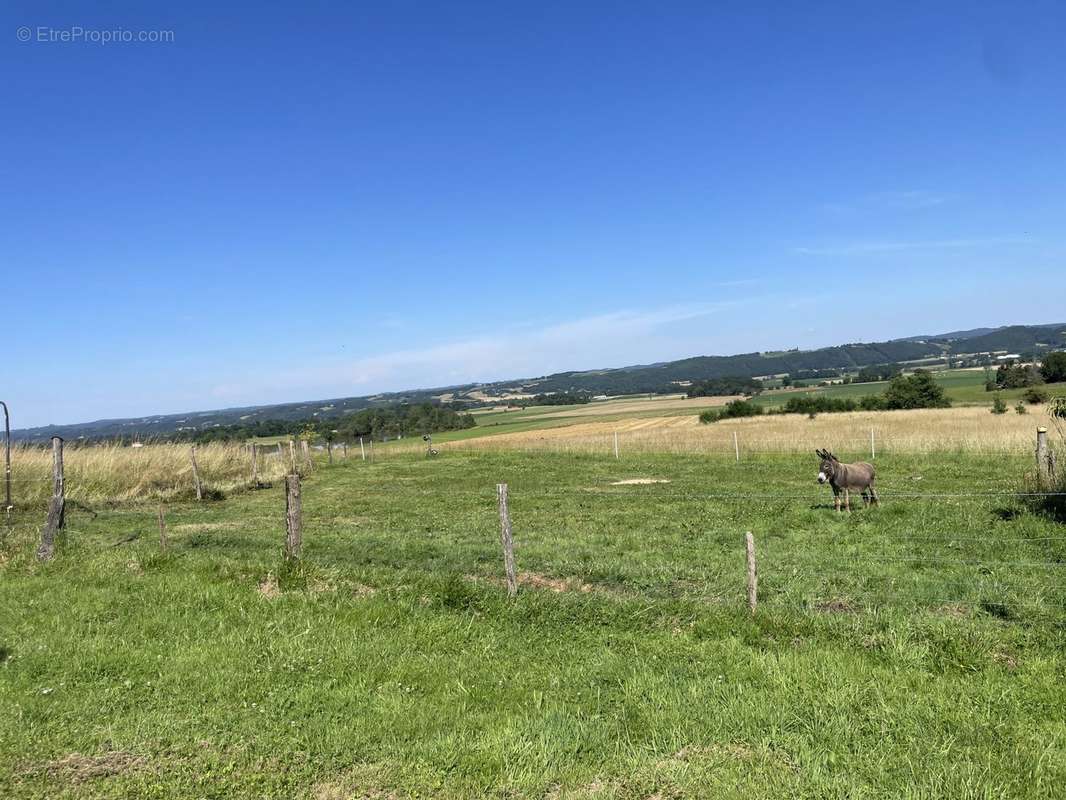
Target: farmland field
{"points": [[971, 429], [914, 649]]}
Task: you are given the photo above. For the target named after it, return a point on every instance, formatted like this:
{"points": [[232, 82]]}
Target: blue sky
{"points": [[313, 200]]}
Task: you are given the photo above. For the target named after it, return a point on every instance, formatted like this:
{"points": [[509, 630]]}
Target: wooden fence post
{"points": [[362, 449], [736, 445], [753, 575], [162, 529], [196, 474], [1043, 462], [56, 506], [7, 459], [873, 450], [329, 450], [255, 465], [292, 456], [305, 449], [293, 520], [507, 540]]}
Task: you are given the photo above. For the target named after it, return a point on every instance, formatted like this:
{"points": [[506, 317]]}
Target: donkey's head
{"points": [[828, 467]]}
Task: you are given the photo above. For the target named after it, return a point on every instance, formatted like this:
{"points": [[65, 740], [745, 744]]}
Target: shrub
{"points": [[1020, 408], [872, 402], [1034, 395], [736, 408], [998, 406], [818, 403], [915, 391]]}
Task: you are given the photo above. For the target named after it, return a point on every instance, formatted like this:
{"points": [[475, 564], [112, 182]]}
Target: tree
{"points": [[1053, 370], [998, 406], [915, 391], [1017, 376]]}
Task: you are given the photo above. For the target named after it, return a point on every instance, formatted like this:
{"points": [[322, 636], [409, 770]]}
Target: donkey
{"points": [[847, 478]]}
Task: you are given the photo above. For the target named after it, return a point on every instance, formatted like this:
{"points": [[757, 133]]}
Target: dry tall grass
{"points": [[927, 430], [112, 473]]}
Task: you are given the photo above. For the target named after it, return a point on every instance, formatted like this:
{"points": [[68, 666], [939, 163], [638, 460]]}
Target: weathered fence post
{"points": [[1043, 462], [329, 450], [305, 449], [196, 474], [7, 459], [362, 449], [873, 451], [292, 456], [162, 529], [56, 506], [736, 445], [616, 444], [293, 521], [753, 575], [255, 465], [507, 540]]}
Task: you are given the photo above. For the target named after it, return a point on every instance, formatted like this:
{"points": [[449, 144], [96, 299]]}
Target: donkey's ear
{"points": [[821, 454]]}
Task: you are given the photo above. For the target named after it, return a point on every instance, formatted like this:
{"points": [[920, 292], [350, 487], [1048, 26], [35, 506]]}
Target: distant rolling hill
{"points": [[659, 377]]}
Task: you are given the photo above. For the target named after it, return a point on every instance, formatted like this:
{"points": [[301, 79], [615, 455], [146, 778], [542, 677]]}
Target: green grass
{"points": [[963, 387], [901, 651]]}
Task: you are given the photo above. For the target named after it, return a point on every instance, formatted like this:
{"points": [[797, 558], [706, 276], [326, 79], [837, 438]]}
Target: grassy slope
{"points": [[964, 387], [390, 662]]}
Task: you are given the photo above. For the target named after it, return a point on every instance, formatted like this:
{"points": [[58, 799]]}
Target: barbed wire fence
{"points": [[996, 585]]}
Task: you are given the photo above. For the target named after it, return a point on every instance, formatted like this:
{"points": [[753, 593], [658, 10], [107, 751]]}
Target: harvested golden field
{"points": [[115, 473], [641, 405], [923, 430]]}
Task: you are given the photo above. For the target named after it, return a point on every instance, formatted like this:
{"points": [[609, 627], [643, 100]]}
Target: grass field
{"points": [[964, 387], [911, 650], [108, 474], [971, 429]]}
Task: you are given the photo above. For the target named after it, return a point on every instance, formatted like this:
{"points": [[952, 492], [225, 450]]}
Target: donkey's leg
{"points": [[847, 500], [865, 496], [836, 500], [873, 496]]}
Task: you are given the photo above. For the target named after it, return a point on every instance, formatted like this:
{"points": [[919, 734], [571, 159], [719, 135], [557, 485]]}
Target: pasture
{"points": [[967, 429], [914, 649]]}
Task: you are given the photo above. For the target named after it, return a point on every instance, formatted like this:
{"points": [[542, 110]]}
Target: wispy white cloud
{"points": [[909, 200], [616, 338], [872, 248]]}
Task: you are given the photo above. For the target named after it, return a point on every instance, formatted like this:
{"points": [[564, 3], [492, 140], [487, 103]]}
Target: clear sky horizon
{"points": [[281, 203]]}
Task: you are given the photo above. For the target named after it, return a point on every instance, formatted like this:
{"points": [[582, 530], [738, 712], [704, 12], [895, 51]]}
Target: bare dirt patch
{"points": [[836, 605], [268, 587], [538, 581], [534, 580], [359, 783], [77, 768], [953, 610], [201, 527]]}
